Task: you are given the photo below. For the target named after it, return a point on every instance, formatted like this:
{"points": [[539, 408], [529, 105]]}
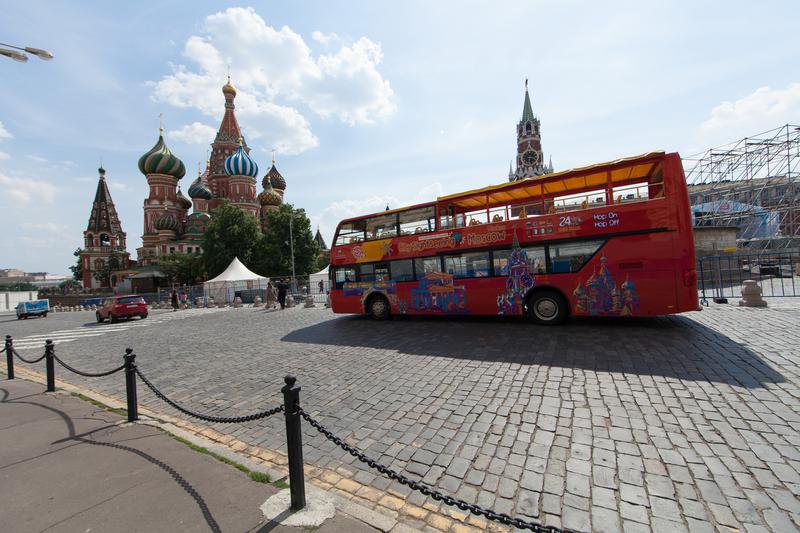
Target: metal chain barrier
{"points": [[426, 489], [29, 361], [87, 374], [208, 418]]}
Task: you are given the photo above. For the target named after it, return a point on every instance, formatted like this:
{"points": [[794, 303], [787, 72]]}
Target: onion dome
{"points": [[183, 202], [197, 223], [240, 164], [269, 197], [159, 160], [274, 178], [627, 285], [166, 221], [228, 88], [199, 190]]}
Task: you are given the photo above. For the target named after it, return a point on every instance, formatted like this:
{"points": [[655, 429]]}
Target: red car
{"points": [[119, 307]]}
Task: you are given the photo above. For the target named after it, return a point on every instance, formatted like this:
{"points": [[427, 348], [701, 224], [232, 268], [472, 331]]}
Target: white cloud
{"points": [[4, 133], [273, 71], [37, 158], [194, 133], [4, 156], [118, 186], [764, 109], [330, 216], [326, 39], [22, 190]]}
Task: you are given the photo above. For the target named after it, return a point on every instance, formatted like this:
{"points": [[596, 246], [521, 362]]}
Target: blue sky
{"points": [[367, 103]]}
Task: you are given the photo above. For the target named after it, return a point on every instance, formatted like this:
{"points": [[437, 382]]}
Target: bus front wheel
{"points": [[547, 308], [378, 308]]}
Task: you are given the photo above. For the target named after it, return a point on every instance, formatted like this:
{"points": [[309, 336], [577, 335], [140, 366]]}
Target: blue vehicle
{"points": [[32, 308]]}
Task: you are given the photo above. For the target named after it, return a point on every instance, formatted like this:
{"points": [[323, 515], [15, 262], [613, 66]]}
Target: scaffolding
{"points": [[753, 184]]}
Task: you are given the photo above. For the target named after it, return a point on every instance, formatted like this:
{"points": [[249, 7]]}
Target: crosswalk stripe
{"points": [[96, 330]]}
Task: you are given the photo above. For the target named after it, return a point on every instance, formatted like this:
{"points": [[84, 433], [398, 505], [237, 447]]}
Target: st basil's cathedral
{"points": [[169, 226], [230, 175]]}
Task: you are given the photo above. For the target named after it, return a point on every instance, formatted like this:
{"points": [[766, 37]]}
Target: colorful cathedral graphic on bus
{"points": [[600, 296]]}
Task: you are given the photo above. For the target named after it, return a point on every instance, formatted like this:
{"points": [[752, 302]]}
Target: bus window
{"points": [[350, 232], [468, 265], [534, 255], [366, 272], [475, 218], [422, 220], [382, 226], [344, 275], [571, 257], [635, 192], [427, 265], [583, 200], [402, 270], [537, 260]]}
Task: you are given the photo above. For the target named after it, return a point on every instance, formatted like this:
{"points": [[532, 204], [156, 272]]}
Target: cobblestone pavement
{"points": [[680, 423]]}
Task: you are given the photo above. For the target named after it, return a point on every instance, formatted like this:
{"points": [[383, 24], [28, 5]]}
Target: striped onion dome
{"points": [[166, 221], [240, 164], [200, 190], [159, 160], [269, 197], [274, 178], [183, 202]]}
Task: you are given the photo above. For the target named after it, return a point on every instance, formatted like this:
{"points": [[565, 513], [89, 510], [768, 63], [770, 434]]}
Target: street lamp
{"points": [[20, 56]]}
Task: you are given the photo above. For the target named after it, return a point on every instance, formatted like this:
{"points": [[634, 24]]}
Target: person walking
{"points": [[282, 294], [321, 287], [271, 296], [174, 300]]}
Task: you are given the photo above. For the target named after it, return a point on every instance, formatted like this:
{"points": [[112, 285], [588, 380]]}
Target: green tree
{"points": [[186, 269], [275, 258], [231, 233], [323, 260], [77, 268], [115, 262]]}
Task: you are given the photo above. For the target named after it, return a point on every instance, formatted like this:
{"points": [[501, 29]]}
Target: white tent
{"points": [[237, 278], [314, 279]]}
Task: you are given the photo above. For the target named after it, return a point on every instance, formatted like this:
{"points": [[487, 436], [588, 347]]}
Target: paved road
{"points": [[680, 423]]}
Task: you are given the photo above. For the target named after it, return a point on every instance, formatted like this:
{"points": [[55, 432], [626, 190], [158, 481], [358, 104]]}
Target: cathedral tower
{"points": [[102, 239], [165, 206], [530, 158]]}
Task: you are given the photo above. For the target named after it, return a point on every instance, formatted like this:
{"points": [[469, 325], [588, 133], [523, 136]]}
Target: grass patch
{"points": [[258, 477], [120, 412], [311, 528], [280, 484]]}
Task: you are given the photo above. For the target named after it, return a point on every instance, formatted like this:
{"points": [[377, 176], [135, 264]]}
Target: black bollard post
{"points": [[130, 384], [294, 442], [10, 357], [49, 365]]}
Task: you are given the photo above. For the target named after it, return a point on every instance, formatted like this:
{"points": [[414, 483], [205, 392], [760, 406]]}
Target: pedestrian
{"points": [[271, 296], [282, 294], [174, 300], [321, 286]]}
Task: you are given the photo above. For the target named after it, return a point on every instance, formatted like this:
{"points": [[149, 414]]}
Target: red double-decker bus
{"points": [[613, 239]]}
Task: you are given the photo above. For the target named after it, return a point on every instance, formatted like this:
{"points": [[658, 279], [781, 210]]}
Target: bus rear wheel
{"points": [[547, 308], [378, 308]]}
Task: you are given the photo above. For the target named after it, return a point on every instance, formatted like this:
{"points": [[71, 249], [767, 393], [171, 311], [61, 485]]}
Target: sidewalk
{"points": [[68, 465]]}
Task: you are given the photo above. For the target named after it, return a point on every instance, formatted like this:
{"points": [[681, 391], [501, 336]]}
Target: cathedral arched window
{"points": [[99, 264], [89, 240], [105, 240], [528, 127]]}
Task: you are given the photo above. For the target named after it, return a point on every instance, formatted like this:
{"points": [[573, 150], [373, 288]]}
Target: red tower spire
{"points": [[225, 143]]}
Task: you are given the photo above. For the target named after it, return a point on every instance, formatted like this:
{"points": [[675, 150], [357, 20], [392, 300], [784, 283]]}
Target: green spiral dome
{"points": [[159, 160]]}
